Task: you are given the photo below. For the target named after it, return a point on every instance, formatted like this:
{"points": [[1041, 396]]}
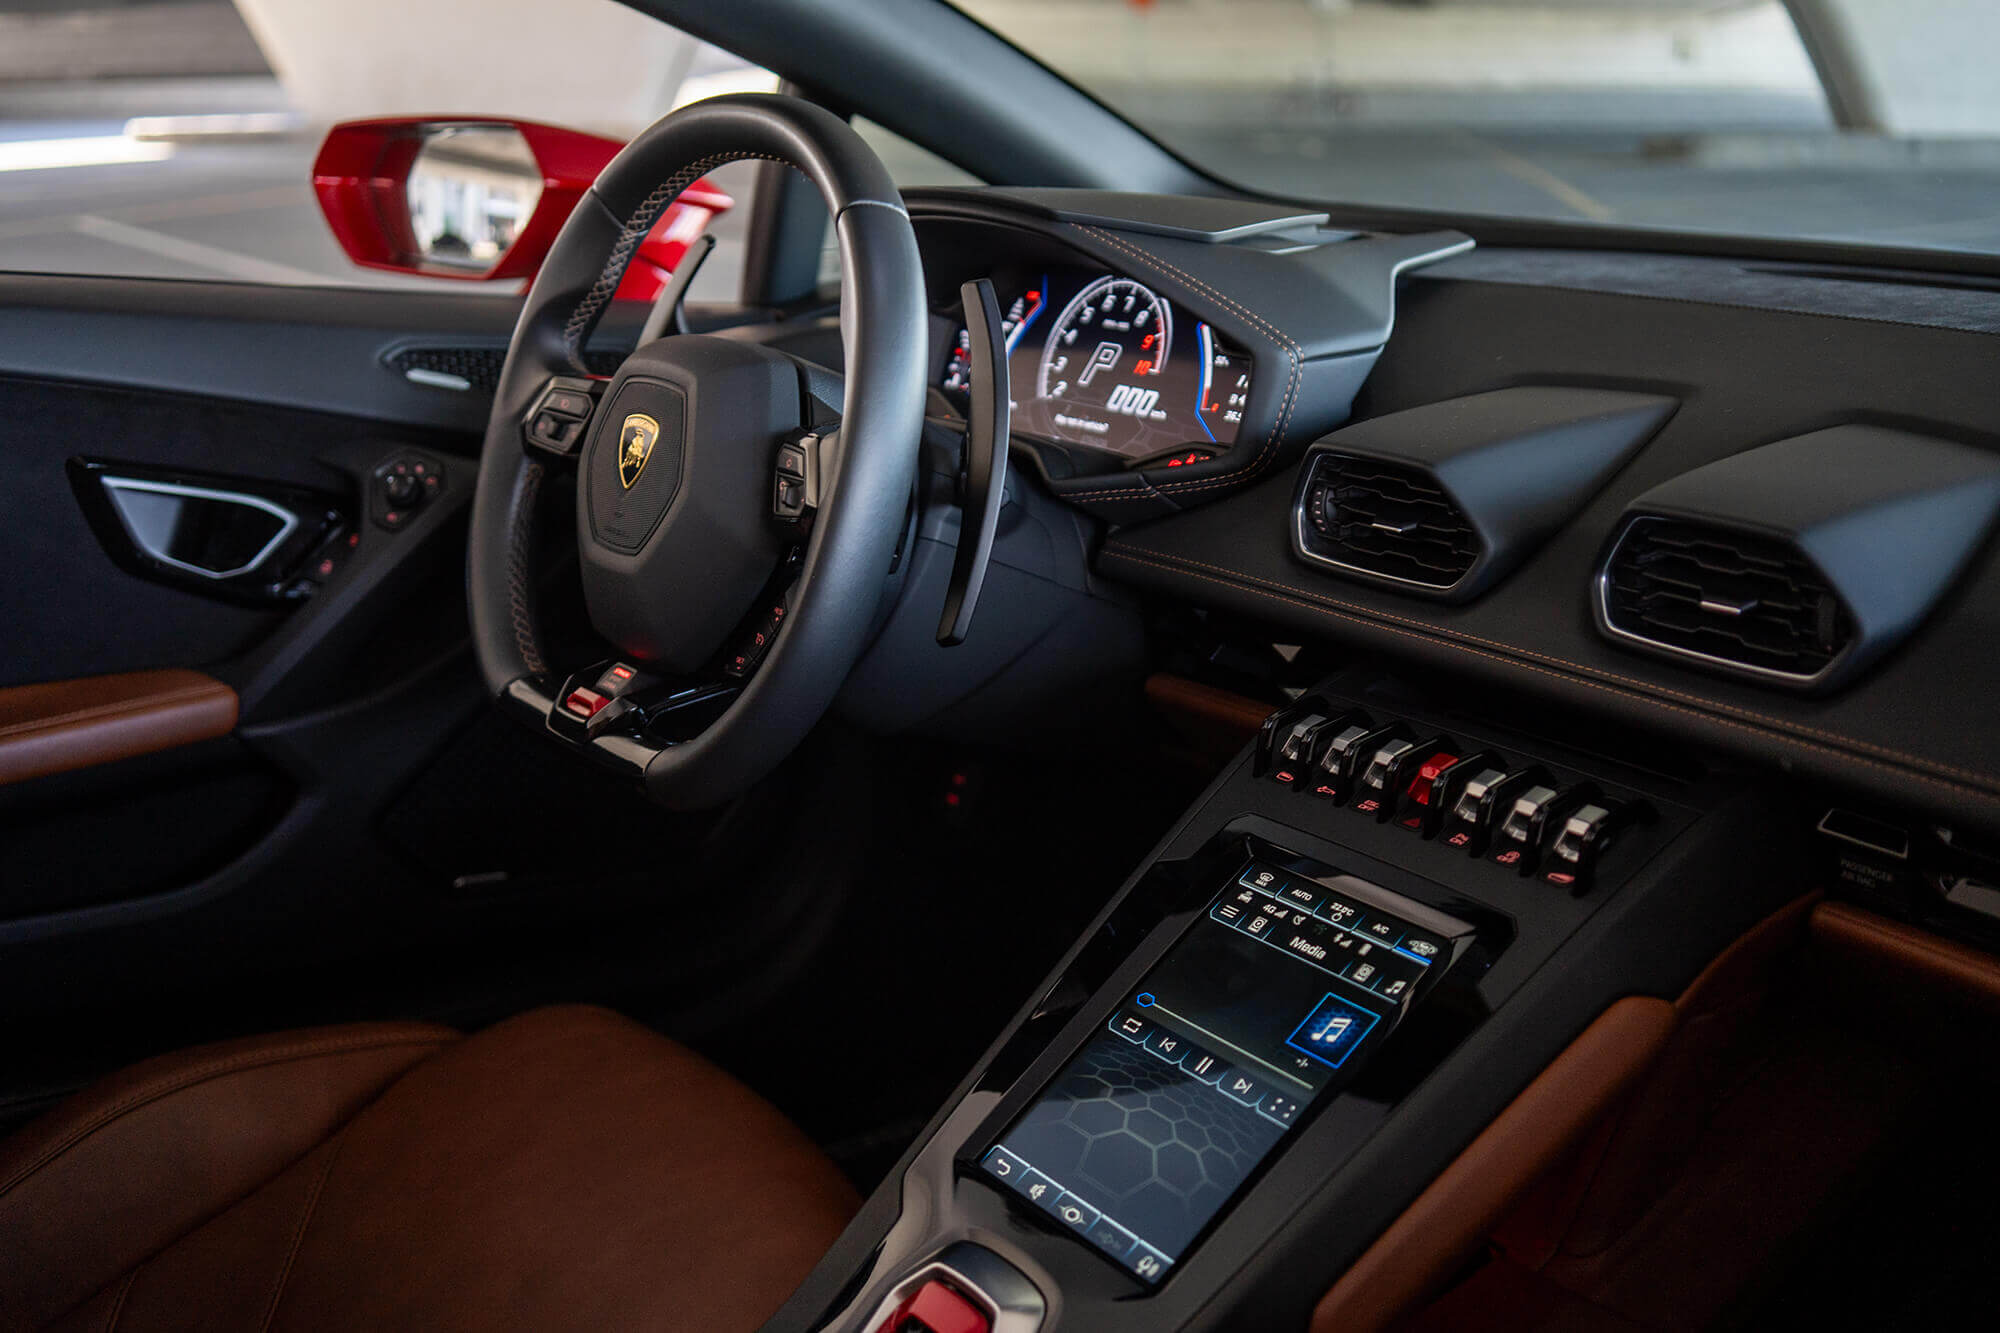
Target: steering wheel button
{"points": [[619, 680], [554, 433], [788, 497], [674, 459]]}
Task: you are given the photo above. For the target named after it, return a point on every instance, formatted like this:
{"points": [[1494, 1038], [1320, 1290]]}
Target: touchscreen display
{"points": [[1273, 998], [1107, 363]]}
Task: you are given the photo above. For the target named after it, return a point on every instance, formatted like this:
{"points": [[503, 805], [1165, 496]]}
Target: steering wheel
{"points": [[734, 539]]}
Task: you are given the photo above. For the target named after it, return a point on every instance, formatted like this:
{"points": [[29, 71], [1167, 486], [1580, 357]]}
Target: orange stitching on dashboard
{"points": [[1581, 674], [1294, 353]]}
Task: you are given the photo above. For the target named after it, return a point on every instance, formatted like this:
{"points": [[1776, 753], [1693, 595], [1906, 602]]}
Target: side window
{"points": [[911, 166], [175, 140]]}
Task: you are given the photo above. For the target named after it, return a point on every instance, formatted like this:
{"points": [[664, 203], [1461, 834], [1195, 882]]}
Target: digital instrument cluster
{"points": [[1103, 362]]}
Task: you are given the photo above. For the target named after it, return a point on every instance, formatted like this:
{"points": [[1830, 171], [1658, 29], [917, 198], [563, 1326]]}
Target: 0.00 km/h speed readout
{"points": [[1114, 370]]}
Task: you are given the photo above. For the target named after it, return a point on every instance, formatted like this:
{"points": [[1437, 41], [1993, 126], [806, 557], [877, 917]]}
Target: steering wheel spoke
{"points": [[704, 465], [624, 713]]}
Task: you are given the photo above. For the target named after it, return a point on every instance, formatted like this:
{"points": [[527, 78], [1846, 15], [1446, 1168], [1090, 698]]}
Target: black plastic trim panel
{"points": [[1710, 868], [319, 349], [1917, 728]]}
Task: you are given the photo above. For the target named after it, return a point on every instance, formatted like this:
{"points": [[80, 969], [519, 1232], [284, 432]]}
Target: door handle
{"points": [[239, 540], [212, 534]]}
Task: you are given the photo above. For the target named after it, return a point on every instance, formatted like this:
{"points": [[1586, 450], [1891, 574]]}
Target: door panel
{"points": [[366, 802], [64, 725]]}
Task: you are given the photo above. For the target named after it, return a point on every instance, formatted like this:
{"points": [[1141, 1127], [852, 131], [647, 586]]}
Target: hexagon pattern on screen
{"points": [[1133, 1136]]}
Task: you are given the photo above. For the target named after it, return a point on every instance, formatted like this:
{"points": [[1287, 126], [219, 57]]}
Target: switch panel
{"points": [[1513, 812]]}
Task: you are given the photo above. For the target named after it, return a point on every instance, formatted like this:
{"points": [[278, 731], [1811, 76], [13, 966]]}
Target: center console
{"points": [[1377, 926], [1273, 999]]}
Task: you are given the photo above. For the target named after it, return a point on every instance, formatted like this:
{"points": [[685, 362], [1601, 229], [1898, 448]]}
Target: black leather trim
{"points": [[883, 329], [883, 325]]}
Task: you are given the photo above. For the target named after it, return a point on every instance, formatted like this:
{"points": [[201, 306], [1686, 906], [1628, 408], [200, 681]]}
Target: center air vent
{"points": [[1385, 519], [447, 366], [1447, 499], [1747, 602], [1797, 563]]}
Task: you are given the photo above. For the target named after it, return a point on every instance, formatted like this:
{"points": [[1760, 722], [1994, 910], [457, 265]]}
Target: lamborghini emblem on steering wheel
{"points": [[635, 445]]}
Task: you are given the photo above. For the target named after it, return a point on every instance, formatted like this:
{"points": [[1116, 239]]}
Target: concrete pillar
{"points": [[1917, 69]]}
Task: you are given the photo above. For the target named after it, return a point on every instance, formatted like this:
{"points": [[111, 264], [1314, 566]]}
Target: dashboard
{"points": [[1658, 492], [1107, 363], [1641, 519]]}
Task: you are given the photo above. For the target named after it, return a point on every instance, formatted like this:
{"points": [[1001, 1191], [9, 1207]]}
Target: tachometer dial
{"points": [[1020, 317], [1107, 348]]}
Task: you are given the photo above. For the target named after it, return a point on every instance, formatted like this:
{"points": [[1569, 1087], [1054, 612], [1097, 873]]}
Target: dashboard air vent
{"points": [[1798, 563], [1735, 599], [1445, 500], [444, 366], [1387, 519]]}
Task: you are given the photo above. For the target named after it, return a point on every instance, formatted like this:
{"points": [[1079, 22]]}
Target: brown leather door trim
{"points": [[1550, 1116], [70, 724], [1905, 953]]}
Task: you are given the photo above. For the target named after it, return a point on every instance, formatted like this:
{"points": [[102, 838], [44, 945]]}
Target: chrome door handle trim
{"points": [[288, 521]]}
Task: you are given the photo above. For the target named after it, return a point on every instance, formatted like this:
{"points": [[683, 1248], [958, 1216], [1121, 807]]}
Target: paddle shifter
{"points": [[983, 481]]}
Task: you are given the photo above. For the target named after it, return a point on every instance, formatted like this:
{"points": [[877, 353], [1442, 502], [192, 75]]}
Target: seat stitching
{"points": [[203, 1073], [299, 1235], [118, 1301], [1777, 728]]}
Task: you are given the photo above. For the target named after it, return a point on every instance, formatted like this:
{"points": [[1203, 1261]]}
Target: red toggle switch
{"points": [[936, 1307], [1428, 773], [585, 703]]}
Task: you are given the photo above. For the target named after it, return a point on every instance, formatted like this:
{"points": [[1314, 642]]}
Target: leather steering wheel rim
{"points": [[862, 507]]}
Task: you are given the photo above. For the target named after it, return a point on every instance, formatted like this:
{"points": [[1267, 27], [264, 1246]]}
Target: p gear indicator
{"points": [[1116, 368]]}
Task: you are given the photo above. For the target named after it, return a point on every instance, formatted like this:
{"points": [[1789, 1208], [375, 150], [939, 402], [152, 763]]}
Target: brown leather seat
{"points": [[564, 1169]]}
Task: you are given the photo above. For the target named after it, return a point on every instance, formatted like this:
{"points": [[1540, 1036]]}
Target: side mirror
{"points": [[481, 199]]}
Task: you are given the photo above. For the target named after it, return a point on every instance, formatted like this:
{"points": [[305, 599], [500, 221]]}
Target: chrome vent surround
{"points": [[1751, 604], [1389, 520]]}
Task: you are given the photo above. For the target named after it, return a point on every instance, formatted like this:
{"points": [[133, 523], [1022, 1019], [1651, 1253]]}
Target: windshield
{"points": [[1871, 121]]}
